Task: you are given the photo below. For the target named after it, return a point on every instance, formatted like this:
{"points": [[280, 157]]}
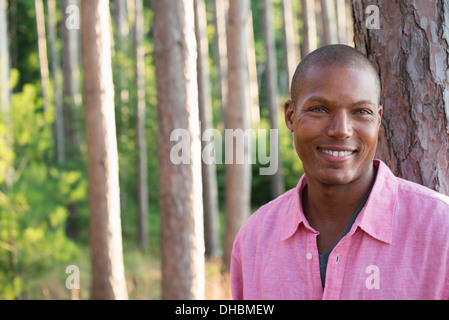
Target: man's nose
{"points": [[340, 126]]}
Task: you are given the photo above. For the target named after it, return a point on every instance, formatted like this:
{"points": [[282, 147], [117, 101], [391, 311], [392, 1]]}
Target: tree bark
{"points": [[220, 10], [290, 43], [410, 51], [209, 174], [42, 49], [142, 177], [329, 20], [277, 180], [58, 125], [180, 191], [252, 86], [108, 275], [309, 42], [238, 176]]}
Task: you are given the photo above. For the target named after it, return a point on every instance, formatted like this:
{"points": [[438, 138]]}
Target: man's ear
{"points": [[289, 112], [381, 111]]}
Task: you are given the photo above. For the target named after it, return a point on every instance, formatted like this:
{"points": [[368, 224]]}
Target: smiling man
{"points": [[350, 229]]}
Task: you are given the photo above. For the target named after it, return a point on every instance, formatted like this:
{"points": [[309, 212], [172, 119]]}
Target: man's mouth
{"points": [[337, 153]]}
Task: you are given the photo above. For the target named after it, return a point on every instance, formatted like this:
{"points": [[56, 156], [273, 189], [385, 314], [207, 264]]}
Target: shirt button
{"points": [[309, 256]]}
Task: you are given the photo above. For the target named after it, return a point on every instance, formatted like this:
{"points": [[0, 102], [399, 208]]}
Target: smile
{"points": [[336, 153]]}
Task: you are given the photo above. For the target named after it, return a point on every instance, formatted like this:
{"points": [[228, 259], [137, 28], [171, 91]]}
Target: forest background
{"points": [[45, 248]]}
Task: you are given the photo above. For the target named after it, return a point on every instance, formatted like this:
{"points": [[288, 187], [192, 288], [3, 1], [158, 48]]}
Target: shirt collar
{"points": [[376, 218]]}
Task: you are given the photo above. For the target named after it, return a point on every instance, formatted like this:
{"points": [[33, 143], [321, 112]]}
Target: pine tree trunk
{"points": [[210, 192], [180, 191], [410, 51], [277, 180], [142, 177], [108, 275], [290, 43], [238, 176], [58, 125], [42, 50], [309, 42]]}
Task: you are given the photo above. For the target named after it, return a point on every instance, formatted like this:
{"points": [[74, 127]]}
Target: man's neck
{"points": [[329, 208]]}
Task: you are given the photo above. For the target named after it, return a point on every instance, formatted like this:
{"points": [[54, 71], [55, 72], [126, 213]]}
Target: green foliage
{"points": [[33, 209]]}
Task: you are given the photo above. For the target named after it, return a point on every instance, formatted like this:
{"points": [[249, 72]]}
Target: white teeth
{"points": [[336, 153]]}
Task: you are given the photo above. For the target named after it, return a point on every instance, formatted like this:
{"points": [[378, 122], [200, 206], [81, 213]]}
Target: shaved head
{"points": [[332, 56]]}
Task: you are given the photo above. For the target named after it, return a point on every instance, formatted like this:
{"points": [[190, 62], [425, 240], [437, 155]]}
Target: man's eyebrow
{"points": [[326, 101]]}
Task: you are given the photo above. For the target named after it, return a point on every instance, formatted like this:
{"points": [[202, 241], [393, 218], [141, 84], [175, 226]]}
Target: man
{"points": [[350, 229]]}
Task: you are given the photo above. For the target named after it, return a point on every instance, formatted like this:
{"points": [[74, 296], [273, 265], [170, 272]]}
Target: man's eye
{"points": [[363, 112], [318, 109]]}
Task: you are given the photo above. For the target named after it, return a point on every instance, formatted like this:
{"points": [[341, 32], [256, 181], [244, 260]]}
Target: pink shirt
{"points": [[398, 248]]}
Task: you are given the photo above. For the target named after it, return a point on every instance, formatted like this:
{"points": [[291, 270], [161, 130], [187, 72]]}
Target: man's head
{"points": [[335, 115]]}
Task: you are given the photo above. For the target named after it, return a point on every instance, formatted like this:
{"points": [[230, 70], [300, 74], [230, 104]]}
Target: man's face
{"points": [[335, 124]]}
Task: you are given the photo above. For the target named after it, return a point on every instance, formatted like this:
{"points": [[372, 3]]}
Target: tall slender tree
{"points": [[209, 174], [309, 28], [238, 175], [277, 180], [42, 50], [108, 274], [55, 66], [408, 42], [142, 176], [180, 190]]}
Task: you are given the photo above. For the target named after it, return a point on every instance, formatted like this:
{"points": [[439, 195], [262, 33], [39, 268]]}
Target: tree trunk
{"points": [[277, 180], [410, 51], [308, 27], [210, 192], [220, 10], [252, 86], [42, 48], [329, 20], [58, 124], [71, 102], [290, 43], [108, 275], [142, 177], [238, 176], [6, 135], [5, 94], [180, 191]]}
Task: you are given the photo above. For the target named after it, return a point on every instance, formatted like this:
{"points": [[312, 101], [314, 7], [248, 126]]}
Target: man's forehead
{"points": [[326, 82]]}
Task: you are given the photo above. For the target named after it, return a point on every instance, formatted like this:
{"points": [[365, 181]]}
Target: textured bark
{"points": [[410, 51], [210, 189], [180, 191], [108, 275], [238, 176]]}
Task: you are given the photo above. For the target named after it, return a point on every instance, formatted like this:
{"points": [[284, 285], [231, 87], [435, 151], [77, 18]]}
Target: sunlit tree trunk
{"points": [[309, 38], [180, 189], [290, 43], [210, 189], [220, 11], [410, 50], [108, 275], [238, 176], [42, 50]]}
